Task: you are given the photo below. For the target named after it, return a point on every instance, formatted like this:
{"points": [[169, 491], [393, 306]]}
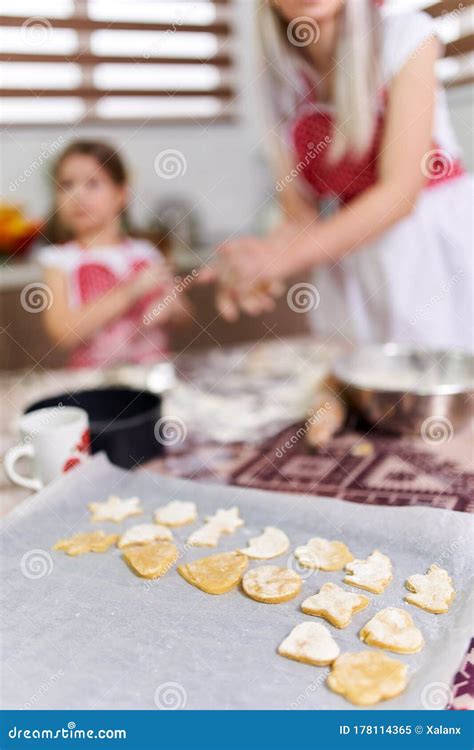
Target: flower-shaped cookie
{"points": [[367, 677], [176, 513], [115, 509], [323, 554]]}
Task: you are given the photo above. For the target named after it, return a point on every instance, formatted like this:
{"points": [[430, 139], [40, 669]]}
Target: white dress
{"points": [[415, 283]]}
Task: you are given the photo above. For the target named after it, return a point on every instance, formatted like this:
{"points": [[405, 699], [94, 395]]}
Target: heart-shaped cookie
{"points": [[311, 643], [151, 560], [216, 574], [367, 677], [433, 592], [323, 554], [335, 605], [393, 629]]}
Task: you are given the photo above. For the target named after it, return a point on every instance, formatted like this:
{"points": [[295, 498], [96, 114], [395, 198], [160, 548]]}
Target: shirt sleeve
{"points": [[56, 256], [403, 35]]}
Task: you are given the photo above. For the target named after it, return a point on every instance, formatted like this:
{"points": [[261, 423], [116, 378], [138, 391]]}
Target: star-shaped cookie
{"points": [[335, 605], [92, 541], [115, 509]]}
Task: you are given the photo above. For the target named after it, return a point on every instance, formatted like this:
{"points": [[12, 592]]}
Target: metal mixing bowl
{"points": [[403, 390]]}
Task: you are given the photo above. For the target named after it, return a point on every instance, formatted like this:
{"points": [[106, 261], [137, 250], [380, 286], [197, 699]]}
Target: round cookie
{"points": [[271, 584]]}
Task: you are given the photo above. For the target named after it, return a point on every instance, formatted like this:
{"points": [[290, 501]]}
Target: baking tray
{"points": [[87, 633]]}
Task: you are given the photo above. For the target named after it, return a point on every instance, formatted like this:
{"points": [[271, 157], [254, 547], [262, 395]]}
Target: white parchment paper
{"points": [[87, 633]]}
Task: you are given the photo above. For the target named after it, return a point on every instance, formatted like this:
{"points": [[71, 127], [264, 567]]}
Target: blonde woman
{"points": [[359, 125]]}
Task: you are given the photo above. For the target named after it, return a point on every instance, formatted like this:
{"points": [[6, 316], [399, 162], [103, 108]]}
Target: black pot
{"points": [[122, 421]]}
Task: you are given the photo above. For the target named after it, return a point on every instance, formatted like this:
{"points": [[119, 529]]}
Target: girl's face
{"points": [[318, 10], [88, 200]]}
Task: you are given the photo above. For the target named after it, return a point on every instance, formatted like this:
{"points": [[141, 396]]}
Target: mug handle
{"points": [[11, 457]]}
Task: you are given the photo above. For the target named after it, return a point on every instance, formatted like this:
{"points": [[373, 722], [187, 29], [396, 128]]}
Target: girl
{"points": [[102, 283], [358, 122]]}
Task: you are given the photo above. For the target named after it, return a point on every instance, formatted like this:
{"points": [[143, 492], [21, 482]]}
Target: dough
{"points": [[143, 533], [151, 560], [433, 592], [323, 554], [272, 543], [373, 574], [271, 584], [216, 574], [91, 541], [206, 536], [335, 605], [367, 677], [176, 513], [115, 509], [227, 520], [310, 642], [393, 629], [222, 522]]}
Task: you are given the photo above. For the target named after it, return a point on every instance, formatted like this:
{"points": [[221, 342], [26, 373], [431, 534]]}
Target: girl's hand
{"points": [[149, 279]]}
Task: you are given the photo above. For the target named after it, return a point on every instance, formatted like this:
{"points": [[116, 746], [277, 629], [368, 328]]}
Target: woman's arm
{"points": [[298, 246], [70, 327]]}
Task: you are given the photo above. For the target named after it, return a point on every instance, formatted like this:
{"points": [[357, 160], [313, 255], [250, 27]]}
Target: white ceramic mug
{"points": [[55, 439]]}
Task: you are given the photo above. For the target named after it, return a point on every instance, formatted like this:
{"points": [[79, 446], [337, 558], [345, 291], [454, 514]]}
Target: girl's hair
{"points": [[356, 71], [107, 158]]}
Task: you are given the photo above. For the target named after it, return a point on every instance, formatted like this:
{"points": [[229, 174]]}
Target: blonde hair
{"points": [[356, 70]]}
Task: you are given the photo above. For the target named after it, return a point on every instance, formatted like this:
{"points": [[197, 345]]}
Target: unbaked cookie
{"points": [[92, 541], [323, 554], [216, 574], [335, 605], [393, 629], [115, 509], [222, 522], [311, 643], [367, 677], [176, 513], [271, 584], [373, 574], [433, 592], [272, 543], [151, 560], [144, 533]]}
